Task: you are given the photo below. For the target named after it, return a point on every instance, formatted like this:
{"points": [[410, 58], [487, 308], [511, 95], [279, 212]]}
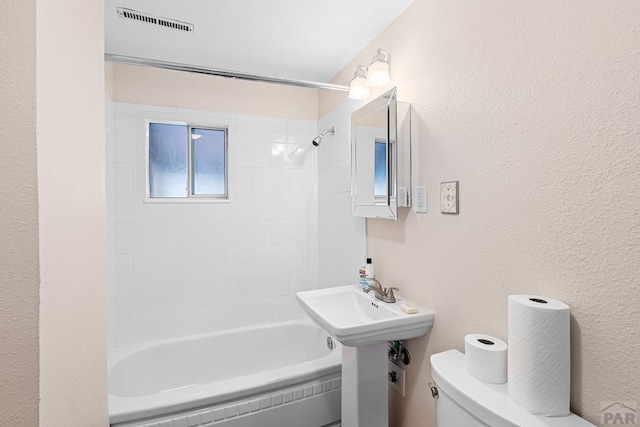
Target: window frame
{"points": [[190, 197]]}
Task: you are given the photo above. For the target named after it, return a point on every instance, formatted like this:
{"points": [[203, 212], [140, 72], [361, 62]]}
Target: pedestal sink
{"points": [[363, 324]]}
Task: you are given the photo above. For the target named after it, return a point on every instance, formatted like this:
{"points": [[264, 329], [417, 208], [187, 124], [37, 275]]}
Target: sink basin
{"points": [[357, 319]]}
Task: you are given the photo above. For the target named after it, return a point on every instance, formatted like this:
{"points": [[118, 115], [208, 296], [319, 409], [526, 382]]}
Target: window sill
{"points": [[177, 200]]}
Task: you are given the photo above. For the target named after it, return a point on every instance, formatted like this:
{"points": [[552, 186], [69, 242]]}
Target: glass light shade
{"points": [[378, 74], [358, 88]]}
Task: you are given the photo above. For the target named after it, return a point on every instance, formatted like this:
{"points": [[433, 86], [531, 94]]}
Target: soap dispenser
{"points": [[369, 269]]}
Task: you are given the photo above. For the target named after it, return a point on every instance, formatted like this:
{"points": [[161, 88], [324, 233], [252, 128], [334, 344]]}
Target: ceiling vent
{"points": [[135, 15]]}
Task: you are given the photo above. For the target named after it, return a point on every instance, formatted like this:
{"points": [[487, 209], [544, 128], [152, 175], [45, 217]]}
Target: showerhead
{"points": [[316, 141]]}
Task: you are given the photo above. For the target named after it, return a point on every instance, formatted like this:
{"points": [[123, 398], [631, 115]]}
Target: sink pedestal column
{"points": [[365, 392]]}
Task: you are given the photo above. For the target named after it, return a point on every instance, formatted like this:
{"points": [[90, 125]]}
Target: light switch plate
{"points": [[449, 197], [420, 198], [403, 197]]}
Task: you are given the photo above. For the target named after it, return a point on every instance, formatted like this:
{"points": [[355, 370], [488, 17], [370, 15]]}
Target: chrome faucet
{"points": [[383, 294]]}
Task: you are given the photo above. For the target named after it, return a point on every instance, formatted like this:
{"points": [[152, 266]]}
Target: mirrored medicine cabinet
{"points": [[381, 157]]}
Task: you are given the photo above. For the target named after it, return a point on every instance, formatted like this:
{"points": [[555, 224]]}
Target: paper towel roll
{"points": [[486, 358], [539, 364]]}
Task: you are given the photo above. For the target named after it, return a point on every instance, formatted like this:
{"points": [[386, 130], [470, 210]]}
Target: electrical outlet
{"points": [[396, 377], [420, 198], [449, 197], [402, 197]]}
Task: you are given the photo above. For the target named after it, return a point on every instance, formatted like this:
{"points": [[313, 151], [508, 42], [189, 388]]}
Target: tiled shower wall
{"points": [[185, 268], [342, 237]]}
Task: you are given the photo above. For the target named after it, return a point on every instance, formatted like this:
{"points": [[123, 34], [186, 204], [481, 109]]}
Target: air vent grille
{"points": [[135, 15]]}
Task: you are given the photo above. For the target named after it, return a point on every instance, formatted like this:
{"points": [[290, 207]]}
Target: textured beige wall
{"points": [[534, 107], [108, 79], [152, 86], [19, 278], [71, 172]]}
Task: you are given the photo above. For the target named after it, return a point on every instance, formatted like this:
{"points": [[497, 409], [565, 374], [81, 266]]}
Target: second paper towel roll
{"points": [[539, 356], [486, 358]]}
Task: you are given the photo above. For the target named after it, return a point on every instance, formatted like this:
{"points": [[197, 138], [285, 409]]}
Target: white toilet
{"points": [[464, 401]]}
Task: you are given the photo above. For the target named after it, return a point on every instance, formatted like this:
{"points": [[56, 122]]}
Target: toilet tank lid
{"points": [[489, 402]]}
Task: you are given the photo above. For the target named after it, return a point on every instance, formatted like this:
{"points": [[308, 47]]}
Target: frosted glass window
{"points": [[168, 160], [186, 161], [208, 161]]}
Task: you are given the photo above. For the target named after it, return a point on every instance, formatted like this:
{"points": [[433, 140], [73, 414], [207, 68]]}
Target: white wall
{"points": [[71, 203], [342, 240], [533, 107], [181, 269]]}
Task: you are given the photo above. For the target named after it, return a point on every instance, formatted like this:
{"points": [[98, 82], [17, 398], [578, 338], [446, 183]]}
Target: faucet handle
{"points": [[390, 294]]}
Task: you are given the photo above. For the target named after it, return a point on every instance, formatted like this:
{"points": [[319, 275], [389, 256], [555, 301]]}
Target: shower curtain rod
{"points": [[221, 73]]}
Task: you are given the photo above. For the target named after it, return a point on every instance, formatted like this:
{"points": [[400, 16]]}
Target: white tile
{"points": [[124, 238], [263, 181], [294, 156], [282, 257], [182, 322], [206, 212], [249, 154], [141, 161], [244, 180], [286, 180], [124, 269], [247, 207], [124, 178], [197, 292], [263, 284], [328, 280], [145, 298], [127, 206], [311, 254], [301, 131], [203, 212], [334, 206], [309, 181], [221, 120], [125, 147], [203, 262], [263, 206], [155, 266], [343, 177], [287, 308], [169, 237], [154, 212], [255, 128], [303, 279], [277, 206], [292, 231], [136, 328], [246, 313], [256, 233], [302, 205], [110, 179], [145, 237], [124, 120]]}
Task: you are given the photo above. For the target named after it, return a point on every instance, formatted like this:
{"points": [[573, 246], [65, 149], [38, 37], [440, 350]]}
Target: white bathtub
{"points": [[279, 375]]}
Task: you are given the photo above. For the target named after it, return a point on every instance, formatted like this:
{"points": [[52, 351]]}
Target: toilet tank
{"points": [[451, 414], [464, 401]]}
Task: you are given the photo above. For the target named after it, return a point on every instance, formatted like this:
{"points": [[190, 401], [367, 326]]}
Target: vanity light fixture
{"points": [[358, 88], [378, 71], [376, 75]]}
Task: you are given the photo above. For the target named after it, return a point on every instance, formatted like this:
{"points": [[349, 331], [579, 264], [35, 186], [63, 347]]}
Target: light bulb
{"points": [[378, 72], [358, 88]]}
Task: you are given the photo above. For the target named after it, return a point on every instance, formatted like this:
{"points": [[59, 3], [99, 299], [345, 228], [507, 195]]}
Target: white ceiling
{"points": [[296, 39]]}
